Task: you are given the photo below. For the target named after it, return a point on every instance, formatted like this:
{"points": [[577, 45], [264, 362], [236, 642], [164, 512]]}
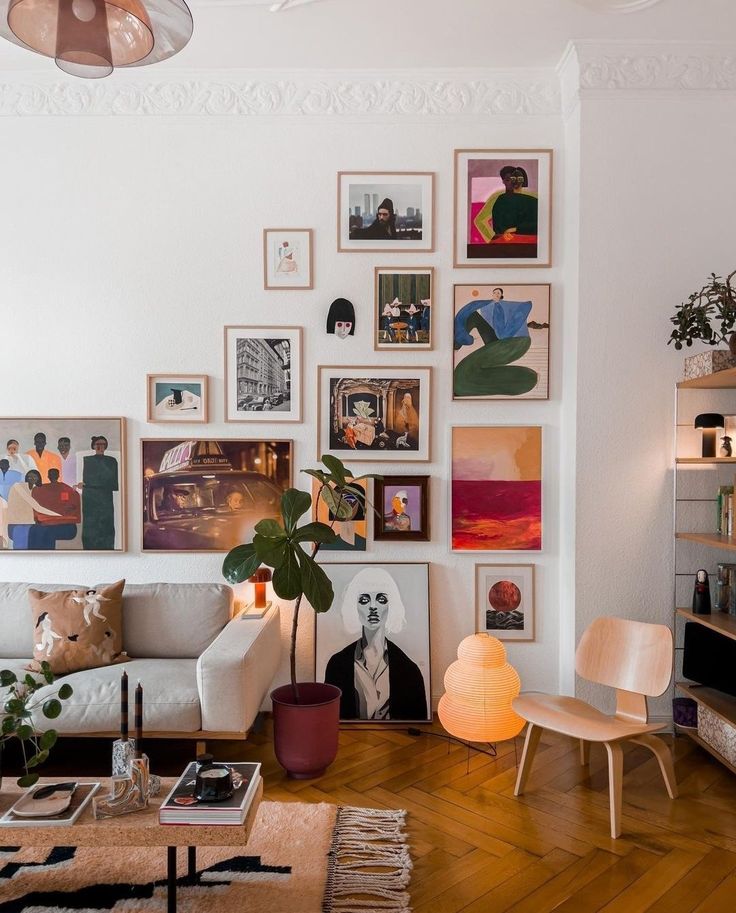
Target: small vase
{"points": [[305, 733]]}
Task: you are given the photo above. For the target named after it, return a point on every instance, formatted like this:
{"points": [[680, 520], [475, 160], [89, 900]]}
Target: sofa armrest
{"points": [[235, 671]]}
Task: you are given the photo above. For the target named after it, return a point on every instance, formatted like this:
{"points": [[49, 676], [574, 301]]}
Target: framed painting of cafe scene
{"points": [[503, 203], [62, 485], [373, 413], [402, 308], [385, 211]]}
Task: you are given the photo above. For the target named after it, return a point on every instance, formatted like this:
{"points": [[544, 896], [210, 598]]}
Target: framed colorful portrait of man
{"points": [[374, 642], [503, 207], [373, 413], [62, 485], [402, 503]]}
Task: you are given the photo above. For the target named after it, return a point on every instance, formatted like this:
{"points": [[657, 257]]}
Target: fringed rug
{"points": [[301, 858]]}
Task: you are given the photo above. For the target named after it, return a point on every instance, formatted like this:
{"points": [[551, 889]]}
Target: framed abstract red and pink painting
{"points": [[496, 488]]}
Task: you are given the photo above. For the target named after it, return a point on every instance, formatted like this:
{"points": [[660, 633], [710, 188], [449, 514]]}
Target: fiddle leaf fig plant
{"points": [[280, 546], [20, 704], [708, 315]]}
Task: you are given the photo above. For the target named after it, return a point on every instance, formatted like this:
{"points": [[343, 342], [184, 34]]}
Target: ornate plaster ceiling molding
{"points": [[618, 6], [439, 94]]}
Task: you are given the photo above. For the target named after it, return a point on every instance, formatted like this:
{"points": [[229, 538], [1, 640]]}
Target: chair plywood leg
{"points": [[662, 753], [530, 746], [584, 752], [615, 784]]}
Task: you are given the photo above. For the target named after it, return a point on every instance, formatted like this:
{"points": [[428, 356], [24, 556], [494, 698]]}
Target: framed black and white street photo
{"points": [[373, 644], [263, 374]]}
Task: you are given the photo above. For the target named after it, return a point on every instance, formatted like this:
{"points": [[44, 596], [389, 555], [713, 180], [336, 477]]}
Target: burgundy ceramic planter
{"points": [[305, 734]]}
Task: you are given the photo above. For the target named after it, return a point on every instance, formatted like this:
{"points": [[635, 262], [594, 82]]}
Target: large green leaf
{"points": [[240, 563], [270, 528], [336, 467], [7, 678], [270, 551], [317, 585], [317, 474], [294, 503], [8, 725], [339, 507], [48, 739], [37, 759], [287, 579], [51, 708], [65, 692], [28, 780], [25, 731], [314, 532]]}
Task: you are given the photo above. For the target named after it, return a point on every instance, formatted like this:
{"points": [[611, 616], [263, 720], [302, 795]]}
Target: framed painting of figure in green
{"points": [[501, 341]]}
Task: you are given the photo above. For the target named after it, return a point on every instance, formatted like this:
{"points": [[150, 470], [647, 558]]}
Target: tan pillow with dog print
{"points": [[77, 629]]}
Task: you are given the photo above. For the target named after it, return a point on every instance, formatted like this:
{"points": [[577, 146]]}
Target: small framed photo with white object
{"points": [[179, 398]]}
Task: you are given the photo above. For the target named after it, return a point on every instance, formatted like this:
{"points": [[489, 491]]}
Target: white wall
{"points": [[128, 243]]}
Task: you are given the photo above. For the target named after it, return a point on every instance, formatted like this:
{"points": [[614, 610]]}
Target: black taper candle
{"points": [[124, 706], [138, 718]]}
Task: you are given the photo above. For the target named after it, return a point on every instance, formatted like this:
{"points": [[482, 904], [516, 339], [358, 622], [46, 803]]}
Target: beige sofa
{"points": [[204, 673]]}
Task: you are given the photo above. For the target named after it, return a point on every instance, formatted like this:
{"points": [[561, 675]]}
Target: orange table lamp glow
{"points": [[479, 688]]}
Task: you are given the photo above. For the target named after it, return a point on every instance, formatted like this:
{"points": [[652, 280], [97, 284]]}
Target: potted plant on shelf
{"points": [[20, 704], [305, 714], [708, 315]]}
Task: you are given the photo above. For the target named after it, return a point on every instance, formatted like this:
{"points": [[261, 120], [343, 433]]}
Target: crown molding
{"points": [[440, 93]]}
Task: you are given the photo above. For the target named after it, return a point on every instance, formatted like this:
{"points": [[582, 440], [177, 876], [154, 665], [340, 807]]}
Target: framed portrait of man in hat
{"points": [[379, 211]]}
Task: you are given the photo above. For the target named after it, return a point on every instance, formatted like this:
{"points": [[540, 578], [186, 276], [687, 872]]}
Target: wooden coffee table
{"points": [[136, 829]]}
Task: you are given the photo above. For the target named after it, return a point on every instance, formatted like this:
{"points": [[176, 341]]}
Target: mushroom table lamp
{"points": [[710, 422], [260, 605], [479, 689]]}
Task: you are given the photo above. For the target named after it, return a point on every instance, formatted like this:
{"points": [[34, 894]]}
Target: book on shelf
{"points": [[722, 508], [19, 814], [182, 807]]}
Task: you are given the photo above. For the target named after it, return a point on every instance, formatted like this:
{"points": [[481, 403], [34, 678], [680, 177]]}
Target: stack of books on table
{"points": [[182, 807]]}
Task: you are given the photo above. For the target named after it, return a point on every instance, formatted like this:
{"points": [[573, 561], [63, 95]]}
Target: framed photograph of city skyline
{"points": [[263, 374], [372, 412], [179, 398], [402, 503], [382, 211], [503, 207], [62, 485], [501, 341], [207, 494], [504, 600], [381, 610], [287, 258], [402, 308]]}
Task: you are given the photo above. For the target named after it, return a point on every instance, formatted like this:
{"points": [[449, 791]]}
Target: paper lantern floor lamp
{"points": [[479, 688]]}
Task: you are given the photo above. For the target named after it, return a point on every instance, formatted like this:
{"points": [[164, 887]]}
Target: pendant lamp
{"points": [[479, 688], [89, 38]]}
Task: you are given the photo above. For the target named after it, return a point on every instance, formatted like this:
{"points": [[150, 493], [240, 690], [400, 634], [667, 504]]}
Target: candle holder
{"points": [[127, 794], [123, 752]]}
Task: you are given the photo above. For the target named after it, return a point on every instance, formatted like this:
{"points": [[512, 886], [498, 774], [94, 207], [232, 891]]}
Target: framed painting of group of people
{"points": [[62, 485]]}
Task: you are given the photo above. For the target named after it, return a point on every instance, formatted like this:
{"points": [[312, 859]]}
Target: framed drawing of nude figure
{"points": [[503, 207], [374, 644]]}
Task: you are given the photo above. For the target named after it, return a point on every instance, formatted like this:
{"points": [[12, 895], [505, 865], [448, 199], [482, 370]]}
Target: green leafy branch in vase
{"points": [[280, 546], [20, 705], [714, 303]]}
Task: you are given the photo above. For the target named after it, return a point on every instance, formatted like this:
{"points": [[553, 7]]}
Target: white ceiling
{"points": [[394, 34]]}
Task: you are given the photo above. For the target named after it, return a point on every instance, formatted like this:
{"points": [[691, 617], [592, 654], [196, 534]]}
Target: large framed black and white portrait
{"points": [[373, 643]]}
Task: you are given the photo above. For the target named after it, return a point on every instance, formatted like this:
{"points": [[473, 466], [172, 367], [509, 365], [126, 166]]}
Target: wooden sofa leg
{"points": [[662, 753], [615, 784], [525, 765], [584, 752]]}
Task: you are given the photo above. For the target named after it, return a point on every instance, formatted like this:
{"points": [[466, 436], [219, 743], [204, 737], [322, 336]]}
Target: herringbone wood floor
{"points": [[477, 849]]}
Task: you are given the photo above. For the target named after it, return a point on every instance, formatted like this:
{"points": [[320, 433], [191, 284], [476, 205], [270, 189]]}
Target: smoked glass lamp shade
{"points": [[89, 38], [479, 688]]}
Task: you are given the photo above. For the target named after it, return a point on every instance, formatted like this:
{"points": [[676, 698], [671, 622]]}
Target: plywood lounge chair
{"points": [[634, 658]]}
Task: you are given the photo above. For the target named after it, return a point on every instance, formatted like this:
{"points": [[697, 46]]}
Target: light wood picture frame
{"points": [[505, 600], [502, 219], [374, 413], [180, 399], [403, 307], [77, 500], [288, 258], [406, 225], [263, 374]]}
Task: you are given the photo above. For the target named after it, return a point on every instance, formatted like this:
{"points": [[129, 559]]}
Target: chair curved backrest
{"points": [[628, 655]]}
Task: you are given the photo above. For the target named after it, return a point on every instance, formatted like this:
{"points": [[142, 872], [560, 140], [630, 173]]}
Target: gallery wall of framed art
{"points": [[275, 373]]}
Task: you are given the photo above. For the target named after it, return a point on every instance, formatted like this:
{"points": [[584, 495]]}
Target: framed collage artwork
{"points": [[374, 413], [377, 605], [503, 207]]}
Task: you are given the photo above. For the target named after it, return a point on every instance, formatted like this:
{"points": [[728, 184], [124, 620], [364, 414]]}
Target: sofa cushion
{"points": [[170, 698], [16, 622], [173, 620], [77, 629]]}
